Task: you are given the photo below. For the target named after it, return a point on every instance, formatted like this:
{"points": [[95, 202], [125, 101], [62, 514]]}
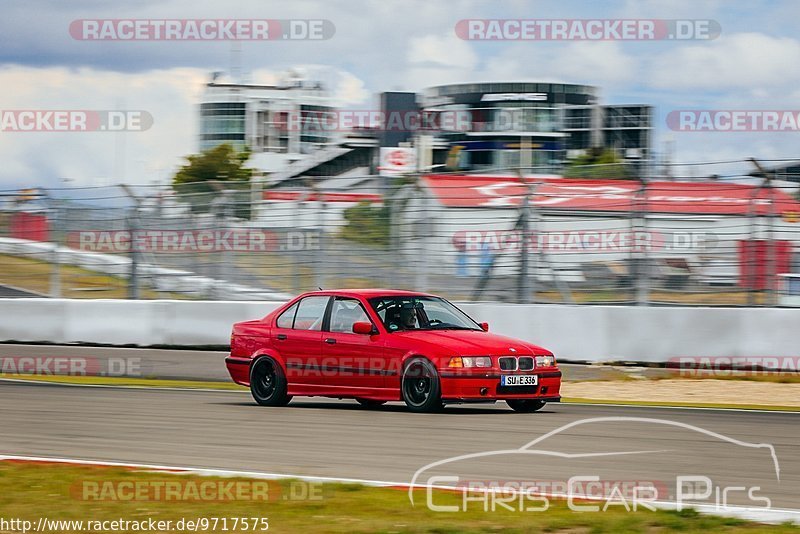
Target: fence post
{"points": [[524, 282], [772, 245], [391, 198], [55, 258], [321, 258], [226, 210], [215, 264], [537, 260], [133, 228], [747, 269], [423, 224], [298, 223], [643, 272]]}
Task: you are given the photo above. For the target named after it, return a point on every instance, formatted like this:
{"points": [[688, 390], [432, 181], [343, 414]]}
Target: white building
{"points": [[307, 210], [268, 119], [460, 222]]}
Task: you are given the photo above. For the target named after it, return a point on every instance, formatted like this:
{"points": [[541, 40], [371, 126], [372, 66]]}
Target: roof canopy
{"points": [[707, 198]]}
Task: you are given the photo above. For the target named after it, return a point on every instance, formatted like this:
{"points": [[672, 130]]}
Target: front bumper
{"points": [[478, 385]]}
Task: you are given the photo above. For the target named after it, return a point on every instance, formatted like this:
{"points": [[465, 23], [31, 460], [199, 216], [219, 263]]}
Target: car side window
{"points": [[286, 319], [310, 313], [344, 313]]}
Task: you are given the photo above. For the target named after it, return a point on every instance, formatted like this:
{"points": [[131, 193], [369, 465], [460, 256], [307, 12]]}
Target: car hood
{"points": [[474, 342]]}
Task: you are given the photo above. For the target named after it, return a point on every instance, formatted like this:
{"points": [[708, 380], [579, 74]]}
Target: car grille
{"points": [[525, 363], [508, 364], [513, 363]]}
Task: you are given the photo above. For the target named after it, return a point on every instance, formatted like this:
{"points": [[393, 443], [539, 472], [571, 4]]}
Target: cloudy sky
{"points": [[378, 45]]}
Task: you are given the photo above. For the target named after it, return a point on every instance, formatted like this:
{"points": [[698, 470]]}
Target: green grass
{"points": [[56, 491], [34, 275]]}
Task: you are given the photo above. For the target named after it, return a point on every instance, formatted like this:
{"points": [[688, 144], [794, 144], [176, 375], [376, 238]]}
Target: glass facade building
{"points": [[508, 124], [222, 122]]}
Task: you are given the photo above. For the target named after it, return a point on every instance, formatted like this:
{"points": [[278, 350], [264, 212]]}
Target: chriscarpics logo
{"points": [[588, 465]]}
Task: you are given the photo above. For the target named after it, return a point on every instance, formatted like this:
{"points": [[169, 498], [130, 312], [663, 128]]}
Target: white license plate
{"points": [[519, 380]]}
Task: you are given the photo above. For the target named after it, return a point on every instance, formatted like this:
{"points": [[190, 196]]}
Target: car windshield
{"points": [[402, 313]]}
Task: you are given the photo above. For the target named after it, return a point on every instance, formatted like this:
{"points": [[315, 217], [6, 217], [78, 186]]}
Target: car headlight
{"points": [[545, 361], [470, 361]]}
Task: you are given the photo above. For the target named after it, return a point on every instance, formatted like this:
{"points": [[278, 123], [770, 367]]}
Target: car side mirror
{"points": [[485, 327], [363, 327]]}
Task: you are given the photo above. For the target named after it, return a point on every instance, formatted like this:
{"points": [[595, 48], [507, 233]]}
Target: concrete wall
{"points": [[125, 322], [585, 333], [652, 334]]}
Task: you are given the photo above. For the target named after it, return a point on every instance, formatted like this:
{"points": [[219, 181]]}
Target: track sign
{"points": [[397, 160]]}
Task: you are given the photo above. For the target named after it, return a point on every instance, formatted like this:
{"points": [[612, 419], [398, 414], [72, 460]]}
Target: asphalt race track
{"points": [[217, 429]]}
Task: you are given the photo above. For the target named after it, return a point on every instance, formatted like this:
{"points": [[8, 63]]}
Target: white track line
{"points": [[202, 471], [775, 515]]}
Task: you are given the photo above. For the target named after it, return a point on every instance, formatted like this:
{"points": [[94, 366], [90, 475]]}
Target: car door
{"points": [[298, 338], [357, 358]]}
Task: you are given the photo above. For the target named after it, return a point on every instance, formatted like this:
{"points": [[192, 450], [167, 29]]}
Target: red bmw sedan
{"points": [[376, 345]]}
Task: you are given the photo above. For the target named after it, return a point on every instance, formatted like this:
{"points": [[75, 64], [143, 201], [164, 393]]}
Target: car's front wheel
{"points": [[420, 386], [525, 405], [268, 383]]}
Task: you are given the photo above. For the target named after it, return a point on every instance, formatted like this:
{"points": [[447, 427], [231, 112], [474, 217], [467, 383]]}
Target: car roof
{"points": [[369, 293]]}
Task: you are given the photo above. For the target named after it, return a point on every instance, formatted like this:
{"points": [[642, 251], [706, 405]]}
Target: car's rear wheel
{"points": [[369, 403], [525, 405], [420, 386], [268, 383]]}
